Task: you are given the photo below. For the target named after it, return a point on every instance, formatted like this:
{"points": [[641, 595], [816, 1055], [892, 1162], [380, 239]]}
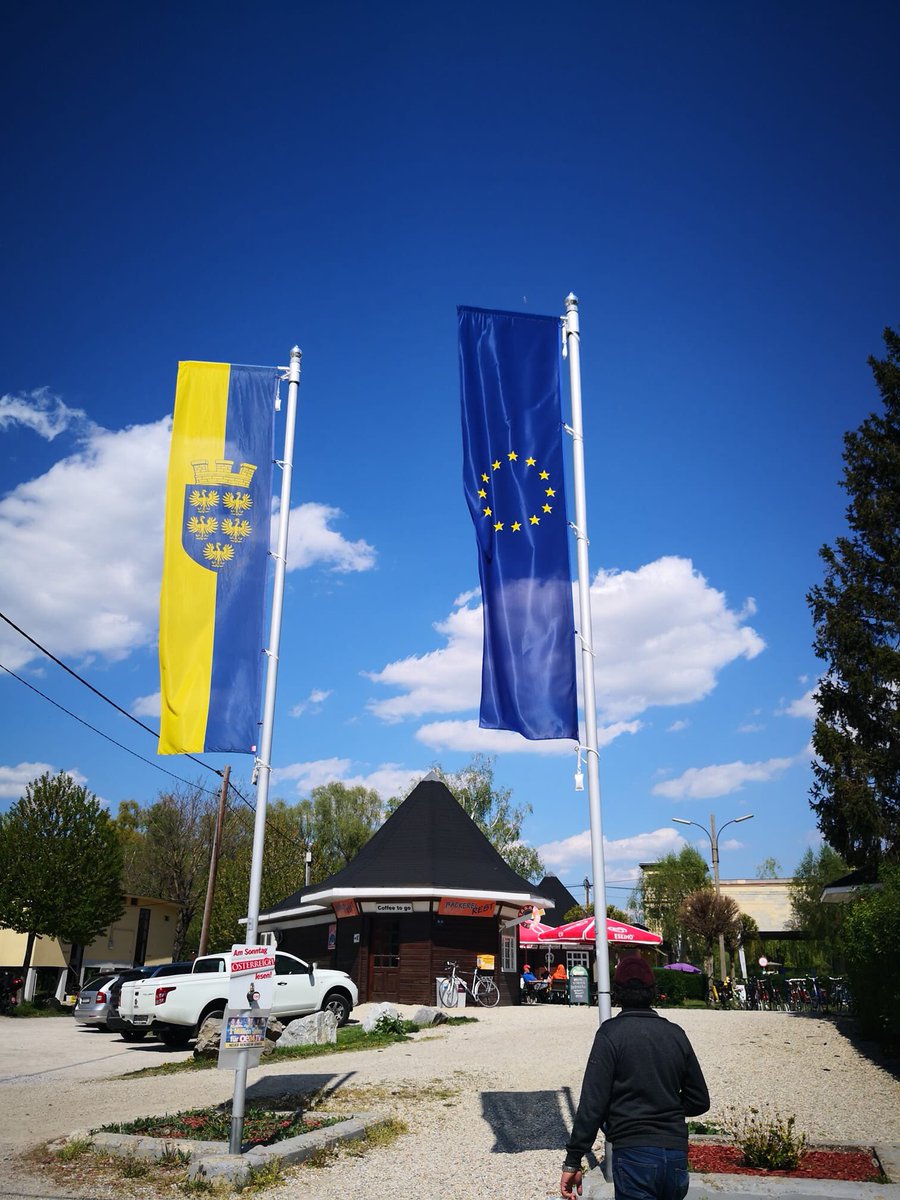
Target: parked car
{"points": [[92, 1005], [176, 1009], [114, 1021]]}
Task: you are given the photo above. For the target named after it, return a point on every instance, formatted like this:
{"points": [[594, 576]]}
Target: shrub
{"points": [[767, 1139], [869, 936], [670, 986]]}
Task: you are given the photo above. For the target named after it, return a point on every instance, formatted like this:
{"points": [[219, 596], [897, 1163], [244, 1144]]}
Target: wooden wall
{"points": [[427, 942]]}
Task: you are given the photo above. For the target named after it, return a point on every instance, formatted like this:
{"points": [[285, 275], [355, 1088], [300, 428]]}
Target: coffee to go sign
{"points": [[453, 906]]}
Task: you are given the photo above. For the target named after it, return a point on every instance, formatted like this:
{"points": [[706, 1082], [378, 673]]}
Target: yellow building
{"points": [[144, 934]]}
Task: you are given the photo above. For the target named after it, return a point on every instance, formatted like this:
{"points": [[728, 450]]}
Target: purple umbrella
{"points": [[681, 967]]}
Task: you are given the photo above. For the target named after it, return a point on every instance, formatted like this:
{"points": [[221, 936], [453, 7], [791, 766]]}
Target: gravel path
{"points": [[488, 1105]]}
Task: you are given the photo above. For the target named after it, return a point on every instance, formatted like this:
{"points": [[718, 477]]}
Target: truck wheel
{"points": [[134, 1035], [337, 1003], [176, 1036]]}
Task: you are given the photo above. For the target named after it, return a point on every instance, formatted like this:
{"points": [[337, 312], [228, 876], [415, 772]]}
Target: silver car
{"points": [[92, 1005]]}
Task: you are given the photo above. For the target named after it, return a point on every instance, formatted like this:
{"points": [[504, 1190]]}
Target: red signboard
{"points": [[345, 908], [452, 906]]}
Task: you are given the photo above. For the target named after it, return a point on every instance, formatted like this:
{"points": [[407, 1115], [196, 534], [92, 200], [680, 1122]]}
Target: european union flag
{"points": [[513, 479]]}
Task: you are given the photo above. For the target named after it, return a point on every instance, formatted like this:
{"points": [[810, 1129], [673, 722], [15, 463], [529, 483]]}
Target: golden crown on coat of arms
{"points": [[221, 473]]}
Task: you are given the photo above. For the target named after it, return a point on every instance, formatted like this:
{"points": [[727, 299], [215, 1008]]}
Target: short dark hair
{"points": [[634, 995]]}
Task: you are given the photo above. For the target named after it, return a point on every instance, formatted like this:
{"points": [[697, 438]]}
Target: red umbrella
{"points": [[616, 931], [529, 931]]}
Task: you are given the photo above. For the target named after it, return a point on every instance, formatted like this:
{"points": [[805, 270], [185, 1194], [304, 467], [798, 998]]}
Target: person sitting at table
{"points": [[528, 976], [543, 973], [559, 972]]}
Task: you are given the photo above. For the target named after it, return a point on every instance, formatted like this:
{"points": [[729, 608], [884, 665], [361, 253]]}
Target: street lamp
{"points": [[714, 843]]}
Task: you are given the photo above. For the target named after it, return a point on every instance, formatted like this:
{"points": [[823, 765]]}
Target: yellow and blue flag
{"points": [[212, 605], [513, 478]]}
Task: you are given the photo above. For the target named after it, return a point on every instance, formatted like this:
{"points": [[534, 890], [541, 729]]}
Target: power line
{"points": [[94, 729], [102, 696]]}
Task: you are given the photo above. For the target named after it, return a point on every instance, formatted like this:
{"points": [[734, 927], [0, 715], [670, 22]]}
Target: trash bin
{"points": [[460, 992]]}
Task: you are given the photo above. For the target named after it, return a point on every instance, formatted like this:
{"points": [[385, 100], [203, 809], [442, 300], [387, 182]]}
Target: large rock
{"points": [[374, 1015], [210, 1035], [318, 1029], [426, 1015]]}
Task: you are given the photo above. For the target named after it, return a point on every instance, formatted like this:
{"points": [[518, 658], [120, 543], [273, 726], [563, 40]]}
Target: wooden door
{"points": [[384, 959]]}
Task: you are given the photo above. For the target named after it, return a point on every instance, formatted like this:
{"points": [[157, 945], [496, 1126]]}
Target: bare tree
{"points": [[708, 915]]}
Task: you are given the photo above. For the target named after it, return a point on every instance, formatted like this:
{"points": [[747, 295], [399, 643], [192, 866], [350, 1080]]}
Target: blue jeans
{"points": [[650, 1173]]}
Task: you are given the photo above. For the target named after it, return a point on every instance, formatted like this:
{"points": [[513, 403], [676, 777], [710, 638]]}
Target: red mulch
{"points": [[855, 1165]]}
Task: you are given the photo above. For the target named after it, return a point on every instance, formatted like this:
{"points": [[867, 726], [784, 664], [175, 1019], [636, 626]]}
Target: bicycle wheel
{"points": [[486, 993], [447, 993]]}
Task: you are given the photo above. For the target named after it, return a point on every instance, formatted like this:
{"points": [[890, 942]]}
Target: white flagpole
{"points": [[264, 758], [573, 349]]}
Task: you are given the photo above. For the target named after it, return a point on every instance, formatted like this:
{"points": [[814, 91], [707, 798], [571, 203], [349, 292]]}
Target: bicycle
{"points": [[482, 989]]}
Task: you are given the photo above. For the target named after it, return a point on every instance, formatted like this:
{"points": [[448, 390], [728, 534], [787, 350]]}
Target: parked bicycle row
{"points": [[802, 994]]}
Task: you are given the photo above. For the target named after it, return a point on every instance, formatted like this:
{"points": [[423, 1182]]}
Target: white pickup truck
{"points": [[175, 1007]]}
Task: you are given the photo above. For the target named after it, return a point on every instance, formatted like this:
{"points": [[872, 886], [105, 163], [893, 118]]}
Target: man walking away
{"points": [[642, 1079]]}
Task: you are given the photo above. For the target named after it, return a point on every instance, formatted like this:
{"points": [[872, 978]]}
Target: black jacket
{"points": [[642, 1079]]}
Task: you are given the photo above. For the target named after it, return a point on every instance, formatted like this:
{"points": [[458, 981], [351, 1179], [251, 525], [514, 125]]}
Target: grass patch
{"points": [[74, 1149], [349, 1037], [379, 1136], [42, 1009], [269, 1174]]}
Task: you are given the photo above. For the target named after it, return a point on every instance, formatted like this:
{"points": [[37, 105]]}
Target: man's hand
{"points": [[570, 1184]]}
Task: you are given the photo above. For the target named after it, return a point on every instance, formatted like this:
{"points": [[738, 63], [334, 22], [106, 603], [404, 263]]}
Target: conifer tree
{"points": [[856, 612]]}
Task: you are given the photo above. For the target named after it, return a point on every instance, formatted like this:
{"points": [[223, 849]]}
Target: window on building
{"points": [[386, 944], [508, 953]]}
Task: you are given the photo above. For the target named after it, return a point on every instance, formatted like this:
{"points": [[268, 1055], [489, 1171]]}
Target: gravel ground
{"points": [[488, 1105]]}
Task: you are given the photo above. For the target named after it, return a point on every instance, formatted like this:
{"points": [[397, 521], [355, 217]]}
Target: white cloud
{"points": [[750, 727], [469, 736], [14, 779], [90, 530], [661, 636], [146, 706], [447, 680], [677, 726], [721, 779], [43, 413], [312, 704], [388, 779], [312, 541], [805, 706], [574, 853]]}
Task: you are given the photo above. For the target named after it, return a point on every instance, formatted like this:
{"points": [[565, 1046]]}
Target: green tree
{"points": [[172, 861], [662, 887], [60, 864], [708, 915], [587, 910], [339, 820], [769, 868], [856, 613], [492, 810], [821, 923]]}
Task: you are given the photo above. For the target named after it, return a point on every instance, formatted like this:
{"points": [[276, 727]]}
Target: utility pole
{"points": [[214, 863], [587, 892]]}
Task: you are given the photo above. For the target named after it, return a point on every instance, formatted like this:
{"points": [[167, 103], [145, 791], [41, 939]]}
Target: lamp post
{"points": [[714, 844]]}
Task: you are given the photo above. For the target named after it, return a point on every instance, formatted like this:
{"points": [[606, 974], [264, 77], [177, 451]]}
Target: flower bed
{"points": [[262, 1126], [858, 1166]]}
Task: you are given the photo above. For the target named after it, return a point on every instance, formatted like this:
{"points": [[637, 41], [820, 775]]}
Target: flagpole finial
{"points": [[571, 301]]}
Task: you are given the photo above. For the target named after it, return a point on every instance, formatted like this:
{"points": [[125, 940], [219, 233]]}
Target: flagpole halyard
{"points": [[585, 634], [264, 758]]}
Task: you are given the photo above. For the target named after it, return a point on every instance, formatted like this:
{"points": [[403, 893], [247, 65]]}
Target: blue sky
{"points": [[718, 186]]}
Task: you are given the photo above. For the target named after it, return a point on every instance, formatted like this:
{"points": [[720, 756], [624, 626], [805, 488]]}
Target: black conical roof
{"points": [[429, 843]]}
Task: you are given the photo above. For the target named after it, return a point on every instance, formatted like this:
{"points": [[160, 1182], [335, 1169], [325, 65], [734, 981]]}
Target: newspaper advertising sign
{"points": [[251, 987]]}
